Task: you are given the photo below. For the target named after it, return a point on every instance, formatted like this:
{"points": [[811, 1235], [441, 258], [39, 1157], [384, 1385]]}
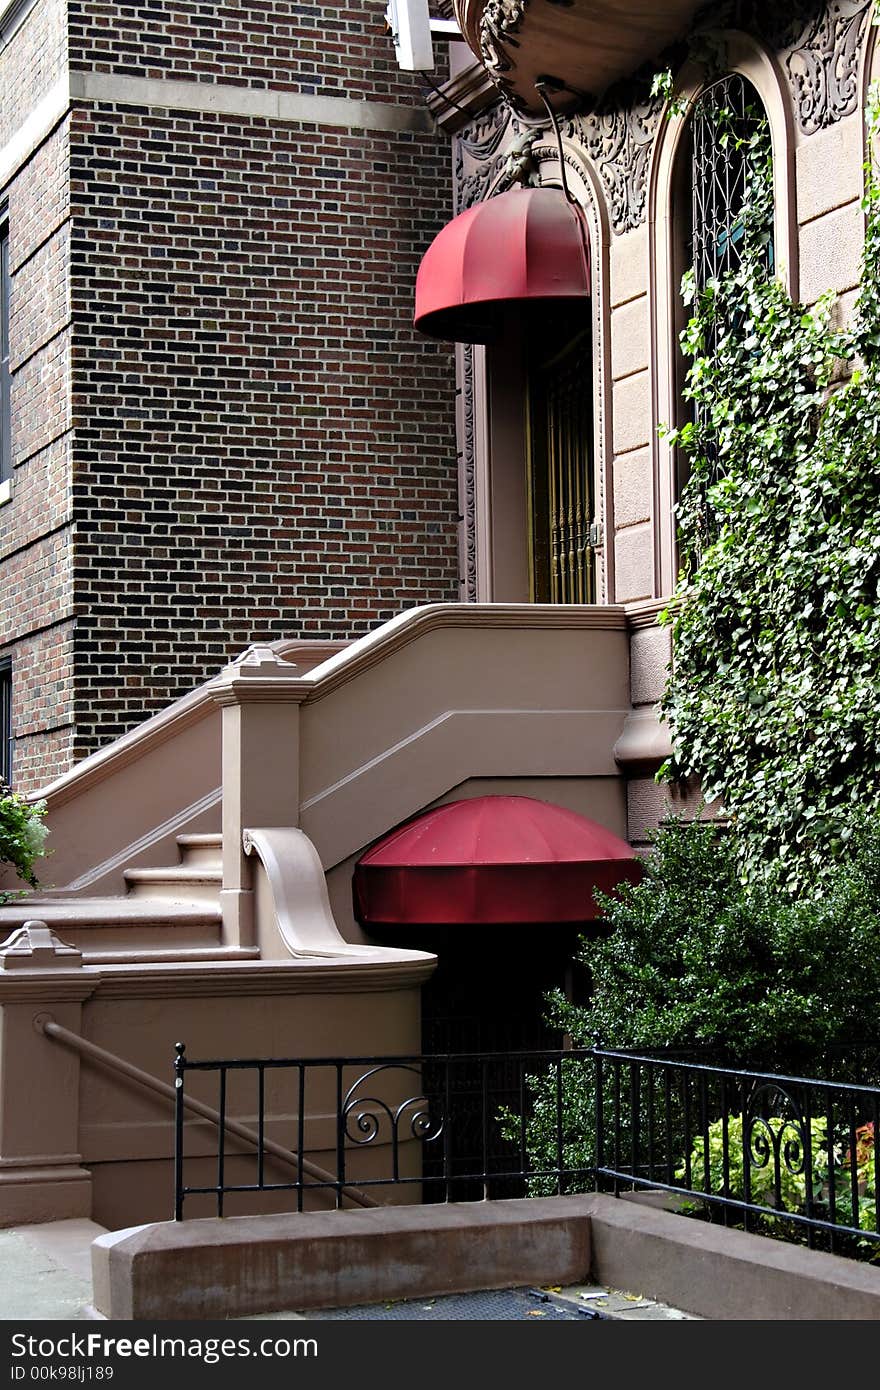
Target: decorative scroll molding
{"points": [[500, 22], [824, 69], [480, 154], [822, 45], [619, 137]]}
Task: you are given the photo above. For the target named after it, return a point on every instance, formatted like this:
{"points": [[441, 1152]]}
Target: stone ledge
{"points": [[722, 1274], [230, 1267], [241, 1266]]}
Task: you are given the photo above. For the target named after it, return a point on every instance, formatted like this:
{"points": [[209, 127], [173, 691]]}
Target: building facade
{"points": [[219, 425], [448, 550]]}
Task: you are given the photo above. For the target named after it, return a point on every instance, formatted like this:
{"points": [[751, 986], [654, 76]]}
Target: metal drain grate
{"points": [[489, 1305]]}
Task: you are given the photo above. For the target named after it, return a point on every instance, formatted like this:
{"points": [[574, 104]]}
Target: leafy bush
{"points": [[700, 963], [697, 958], [22, 836], [787, 1140]]}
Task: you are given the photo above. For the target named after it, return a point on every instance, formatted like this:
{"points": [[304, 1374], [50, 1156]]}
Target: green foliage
{"points": [[773, 695], [697, 961], [777, 1151], [697, 958], [22, 836]]}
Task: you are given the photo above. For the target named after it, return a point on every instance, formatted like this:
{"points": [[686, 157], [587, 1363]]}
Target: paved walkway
{"points": [[45, 1275]]}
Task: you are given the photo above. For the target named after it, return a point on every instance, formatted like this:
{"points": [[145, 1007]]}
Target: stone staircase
{"points": [[166, 914]]}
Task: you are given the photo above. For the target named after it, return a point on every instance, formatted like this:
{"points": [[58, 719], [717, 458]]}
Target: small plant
{"points": [[23, 835], [774, 1166]]}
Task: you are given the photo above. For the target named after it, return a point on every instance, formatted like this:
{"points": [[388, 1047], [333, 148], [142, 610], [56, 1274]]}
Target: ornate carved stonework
{"points": [[619, 138], [481, 153], [820, 44], [824, 67], [500, 22]]}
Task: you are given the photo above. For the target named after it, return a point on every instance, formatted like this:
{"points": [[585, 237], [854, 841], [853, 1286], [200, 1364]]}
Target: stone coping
{"points": [[240, 1266]]}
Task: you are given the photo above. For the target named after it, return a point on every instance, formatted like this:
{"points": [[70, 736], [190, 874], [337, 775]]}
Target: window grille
{"points": [[726, 117], [724, 120]]}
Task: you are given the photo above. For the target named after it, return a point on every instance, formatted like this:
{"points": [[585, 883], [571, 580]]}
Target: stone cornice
{"points": [[281, 690], [215, 980], [48, 986], [261, 978], [644, 614], [469, 92]]}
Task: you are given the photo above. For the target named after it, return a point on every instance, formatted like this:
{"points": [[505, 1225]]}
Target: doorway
{"points": [[559, 457]]}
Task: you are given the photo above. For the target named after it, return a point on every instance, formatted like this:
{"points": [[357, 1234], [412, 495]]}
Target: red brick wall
{"points": [[263, 447], [31, 63], [329, 49], [36, 611], [252, 439]]}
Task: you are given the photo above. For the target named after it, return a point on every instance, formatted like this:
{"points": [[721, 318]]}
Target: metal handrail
{"points": [[46, 1024]]}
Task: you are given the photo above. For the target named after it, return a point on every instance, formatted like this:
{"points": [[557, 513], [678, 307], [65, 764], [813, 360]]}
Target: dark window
{"points": [[725, 119], [5, 722], [5, 394]]}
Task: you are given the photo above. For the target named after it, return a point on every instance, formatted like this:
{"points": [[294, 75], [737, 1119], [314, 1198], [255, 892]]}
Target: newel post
{"points": [[42, 1177], [259, 695]]}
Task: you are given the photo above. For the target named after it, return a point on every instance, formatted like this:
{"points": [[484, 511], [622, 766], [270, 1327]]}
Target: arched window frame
{"points": [[746, 56]]}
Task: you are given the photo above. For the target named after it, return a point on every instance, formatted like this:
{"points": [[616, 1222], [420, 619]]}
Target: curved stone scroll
{"points": [[301, 902]]}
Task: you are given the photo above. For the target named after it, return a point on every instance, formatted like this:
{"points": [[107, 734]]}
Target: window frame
{"points": [[5, 372], [6, 739]]}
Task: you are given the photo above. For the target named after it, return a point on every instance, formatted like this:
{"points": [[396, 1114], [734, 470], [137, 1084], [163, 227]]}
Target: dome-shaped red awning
{"points": [[492, 859], [528, 244]]}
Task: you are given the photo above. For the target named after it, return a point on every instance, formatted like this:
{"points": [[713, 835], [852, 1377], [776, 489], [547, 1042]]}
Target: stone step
{"points": [[204, 850], [126, 924], [189, 883]]}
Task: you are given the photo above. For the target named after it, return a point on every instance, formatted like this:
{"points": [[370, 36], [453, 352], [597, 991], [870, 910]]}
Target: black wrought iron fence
{"points": [[790, 1156], [337, 1131], [785, 1155]]}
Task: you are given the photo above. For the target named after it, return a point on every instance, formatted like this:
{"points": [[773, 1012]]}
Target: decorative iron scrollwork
{"points": [[375, 1119], [776, 1137]]}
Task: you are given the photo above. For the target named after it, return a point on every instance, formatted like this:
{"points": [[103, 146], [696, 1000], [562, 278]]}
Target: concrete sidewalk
{"points": [[45, 1275]]}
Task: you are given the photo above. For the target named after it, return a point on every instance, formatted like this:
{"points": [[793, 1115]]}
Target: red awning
{"points": [[528, 244], [493, 859]]}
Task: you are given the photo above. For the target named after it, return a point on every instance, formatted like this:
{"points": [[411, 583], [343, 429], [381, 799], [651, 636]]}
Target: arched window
{"points": [[717, 159], [725, 121], [698, 180]]}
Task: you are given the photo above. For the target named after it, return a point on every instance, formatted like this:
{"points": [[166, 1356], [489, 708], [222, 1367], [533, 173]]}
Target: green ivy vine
{"points": [[773, 696]]}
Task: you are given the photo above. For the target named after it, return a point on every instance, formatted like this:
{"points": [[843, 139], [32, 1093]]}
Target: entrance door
{"points": [[559, 459]]}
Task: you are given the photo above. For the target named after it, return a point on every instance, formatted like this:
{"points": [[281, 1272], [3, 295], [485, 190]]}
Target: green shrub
{"points": [[697, 958], [796, 1178], [698, 962], [22, 837]]}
